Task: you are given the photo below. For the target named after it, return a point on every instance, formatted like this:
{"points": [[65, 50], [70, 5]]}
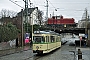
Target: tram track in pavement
{"points": [[45, 55], [35, 57]]}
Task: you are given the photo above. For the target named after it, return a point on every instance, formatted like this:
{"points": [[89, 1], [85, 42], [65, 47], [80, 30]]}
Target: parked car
{"points": [[72, 41]]}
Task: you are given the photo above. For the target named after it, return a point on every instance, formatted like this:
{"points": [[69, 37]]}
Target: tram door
{"points": [[47, 40]]}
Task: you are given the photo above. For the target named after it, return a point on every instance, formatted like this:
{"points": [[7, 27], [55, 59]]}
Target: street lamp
{"points": [[55, 10]]}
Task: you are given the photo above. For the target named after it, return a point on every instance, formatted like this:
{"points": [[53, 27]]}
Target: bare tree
{"points": [[40, 17], [7, 13], [3, 13]]}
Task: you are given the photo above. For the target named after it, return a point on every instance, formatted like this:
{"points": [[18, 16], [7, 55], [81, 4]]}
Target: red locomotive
{"points": [[60, 20]]}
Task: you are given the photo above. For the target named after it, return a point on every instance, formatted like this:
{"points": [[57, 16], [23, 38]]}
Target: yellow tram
{"points": [[45, 41]]}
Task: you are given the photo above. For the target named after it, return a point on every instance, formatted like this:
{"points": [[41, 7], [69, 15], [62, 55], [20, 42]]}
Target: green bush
{"points": [[8, 32]]}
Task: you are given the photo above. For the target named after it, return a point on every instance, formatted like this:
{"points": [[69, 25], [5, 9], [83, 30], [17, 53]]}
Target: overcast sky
{"points": [[67, 8]]}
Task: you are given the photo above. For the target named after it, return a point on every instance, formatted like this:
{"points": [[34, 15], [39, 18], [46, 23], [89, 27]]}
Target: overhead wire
{"points": [[38, 4], [51, 4], [70, 3], [53, 7], [16, 4], [74, 10], [56, 3]]}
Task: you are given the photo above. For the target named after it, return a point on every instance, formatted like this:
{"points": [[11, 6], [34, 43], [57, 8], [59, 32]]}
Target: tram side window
{"points": [[59, 39], [56, 39], [52, 39], [47, 38], [43, 39]]}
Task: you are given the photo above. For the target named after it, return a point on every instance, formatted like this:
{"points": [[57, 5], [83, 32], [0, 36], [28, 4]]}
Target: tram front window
{"points": [[39, 39]]}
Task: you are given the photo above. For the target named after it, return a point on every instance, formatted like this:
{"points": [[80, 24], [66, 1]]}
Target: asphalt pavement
{"points": [[14, 50]]}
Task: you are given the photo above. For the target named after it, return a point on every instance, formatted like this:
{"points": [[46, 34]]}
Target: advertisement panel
{"points": [[27, 38]]}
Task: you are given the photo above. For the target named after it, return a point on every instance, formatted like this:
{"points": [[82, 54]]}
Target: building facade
{"points": [[32, 15]]}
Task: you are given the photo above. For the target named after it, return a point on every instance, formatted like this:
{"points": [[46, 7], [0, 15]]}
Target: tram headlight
{"points": [[37, 47]]}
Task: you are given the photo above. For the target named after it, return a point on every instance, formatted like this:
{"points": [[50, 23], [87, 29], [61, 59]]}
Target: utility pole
{"points": [[26, 14], [47, 10], [86, 31], [31, 21], [22, 25], [30, 8]]}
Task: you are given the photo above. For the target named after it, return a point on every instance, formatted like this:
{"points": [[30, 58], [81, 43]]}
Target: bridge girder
{"points": [[74, 30]]}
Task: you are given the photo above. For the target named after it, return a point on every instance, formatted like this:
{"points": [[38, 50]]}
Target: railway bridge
{"points": [[70, 30]]}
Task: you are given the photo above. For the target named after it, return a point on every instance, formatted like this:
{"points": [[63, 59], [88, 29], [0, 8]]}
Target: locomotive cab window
{"points": [[39, 39]]}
